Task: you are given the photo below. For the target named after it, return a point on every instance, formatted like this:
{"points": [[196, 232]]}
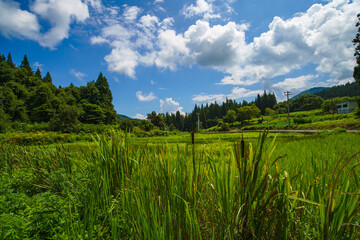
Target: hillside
{"points": [[346, 90], [310, 91]]}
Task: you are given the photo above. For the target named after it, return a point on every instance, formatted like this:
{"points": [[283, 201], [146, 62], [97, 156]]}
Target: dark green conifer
{"points": [[10, 61], [38, 73], [47, 78], [25, 64]]}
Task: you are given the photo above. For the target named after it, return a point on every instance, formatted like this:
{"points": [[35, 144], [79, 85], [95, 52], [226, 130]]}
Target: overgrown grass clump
{"points": [[125, 190]]}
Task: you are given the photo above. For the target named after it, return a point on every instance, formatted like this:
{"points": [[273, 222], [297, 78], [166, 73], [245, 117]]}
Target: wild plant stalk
{"points": [[192, 192]]}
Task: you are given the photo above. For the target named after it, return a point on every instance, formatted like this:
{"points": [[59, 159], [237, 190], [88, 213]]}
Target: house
{"points": [[346, 106]]}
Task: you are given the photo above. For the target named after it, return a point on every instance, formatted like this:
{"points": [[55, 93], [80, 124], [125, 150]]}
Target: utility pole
{"points": [[198, 114], [287, 97]]}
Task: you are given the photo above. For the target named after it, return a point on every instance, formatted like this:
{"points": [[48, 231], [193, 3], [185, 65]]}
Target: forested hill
{"points": [[310, 91], [27, 96], [346, 90]]}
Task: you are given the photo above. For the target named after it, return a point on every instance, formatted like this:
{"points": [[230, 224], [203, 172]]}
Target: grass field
{"points": [[225, 186]]}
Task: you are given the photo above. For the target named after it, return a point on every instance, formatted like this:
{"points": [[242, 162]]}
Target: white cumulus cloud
{"points": [[139, 116], [145, 97], [58, 13], [236, 93], [77, 74], [301, 82], [170, 106]]}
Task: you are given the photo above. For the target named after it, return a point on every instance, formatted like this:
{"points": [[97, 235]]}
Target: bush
{"points": [[339, 130], [302, 120]]}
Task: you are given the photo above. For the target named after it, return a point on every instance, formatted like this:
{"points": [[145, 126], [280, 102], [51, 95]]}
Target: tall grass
{"points": [[187, 191]]}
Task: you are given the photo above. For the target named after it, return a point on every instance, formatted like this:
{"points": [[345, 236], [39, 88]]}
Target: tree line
{"points": [[26, 96]]}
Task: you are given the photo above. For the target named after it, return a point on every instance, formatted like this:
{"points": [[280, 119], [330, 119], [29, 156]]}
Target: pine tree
{"points": [[25, 64], [38, 73], [10, 61], [104, 89], [2, 58], [47, 78]]}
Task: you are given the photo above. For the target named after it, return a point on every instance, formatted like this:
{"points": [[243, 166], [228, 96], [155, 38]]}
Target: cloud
{"points": [[139, 116], [60, 14], [98, 40], [18, 23], [158, 1], [24, 24], [288, 84], [236, 93], [170, 106], [122, 60], [38, 65], [145, 98], [77, 74], [131, 13], [320, 36], [202, 8]]}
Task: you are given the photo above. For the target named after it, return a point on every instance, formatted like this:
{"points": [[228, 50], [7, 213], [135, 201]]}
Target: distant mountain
{"points": [[311, 91], [121, 117]]}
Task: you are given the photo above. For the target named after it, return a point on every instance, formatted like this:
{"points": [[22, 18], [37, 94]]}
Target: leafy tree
{"points": [[156, 119], [305, 102], [7, 100], [356, 42], [248, 112], [90, 93], [126, 125], [230, 116], [146, 125], [269, 112], [4, 121], [92, 113], [47, 78], [18, 89], [65, 119]]}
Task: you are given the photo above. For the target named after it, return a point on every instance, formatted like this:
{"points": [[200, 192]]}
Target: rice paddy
{"points": [[225, 186]]}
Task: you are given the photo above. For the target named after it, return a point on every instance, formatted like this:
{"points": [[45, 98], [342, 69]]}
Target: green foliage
{"points": [[301, 120], [305, 102], [269, 112], [65, 119], [230, 116], [265, 101], [25, 64], [329, 105], [247, 112], [47, 78], [356, 42], [25, 97], [346, 90], [238, 187], [156, 119]]}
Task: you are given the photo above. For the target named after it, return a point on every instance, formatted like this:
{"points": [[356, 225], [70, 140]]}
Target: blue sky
{"points": [[167, 55]]}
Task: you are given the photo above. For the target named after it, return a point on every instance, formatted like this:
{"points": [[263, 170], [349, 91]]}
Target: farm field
{"points": [[275, 186]]}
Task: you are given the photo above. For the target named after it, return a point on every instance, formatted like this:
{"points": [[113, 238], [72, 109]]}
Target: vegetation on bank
{"points": [[228, 188]]}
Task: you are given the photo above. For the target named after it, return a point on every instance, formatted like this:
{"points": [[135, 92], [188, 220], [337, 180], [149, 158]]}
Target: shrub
{"points": [[302, 120]]}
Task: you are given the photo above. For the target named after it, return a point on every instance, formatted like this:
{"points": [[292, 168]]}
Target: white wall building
{"points": [[345, 107]]}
